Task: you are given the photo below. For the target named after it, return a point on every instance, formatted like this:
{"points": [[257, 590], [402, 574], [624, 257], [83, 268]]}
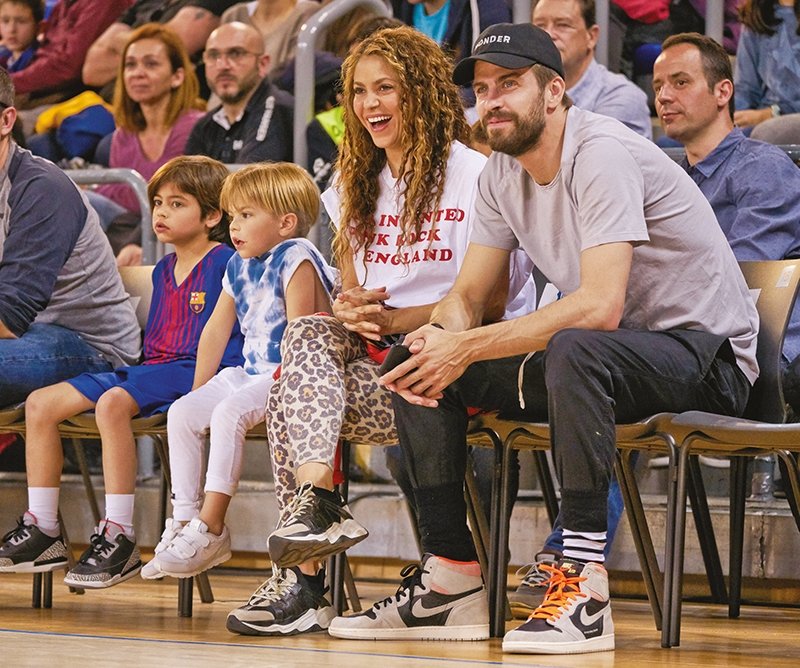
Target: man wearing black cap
{"points": [[655, 316]]}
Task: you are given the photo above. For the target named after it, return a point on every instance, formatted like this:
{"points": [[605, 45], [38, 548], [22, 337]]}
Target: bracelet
{"points": [[436, 324]]}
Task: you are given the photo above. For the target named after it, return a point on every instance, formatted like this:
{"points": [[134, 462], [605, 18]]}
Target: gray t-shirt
{"points": [[614, 185]]}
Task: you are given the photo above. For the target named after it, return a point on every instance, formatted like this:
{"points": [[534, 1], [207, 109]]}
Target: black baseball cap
{"points": [[510, 45]]}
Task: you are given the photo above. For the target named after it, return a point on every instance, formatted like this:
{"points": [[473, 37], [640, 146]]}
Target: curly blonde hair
{"points": [[433, 118]]}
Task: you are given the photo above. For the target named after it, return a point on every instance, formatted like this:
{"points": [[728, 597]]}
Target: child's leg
{"points": [[230, 422], [114, 411], [44, 457], [187, 425]]}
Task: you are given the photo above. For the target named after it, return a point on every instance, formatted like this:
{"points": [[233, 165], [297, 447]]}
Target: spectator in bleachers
{"points": [[254, 121], [689, 16], [192, 21], [63, 309], [753, 187], [54, 73], [278, 22], [572, 26], [155, 108], [187, 283], [452, 24], [19, 29], [767, 74]]}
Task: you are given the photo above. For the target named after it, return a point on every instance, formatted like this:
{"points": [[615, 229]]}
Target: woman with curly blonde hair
{"points": [[401, 202]]}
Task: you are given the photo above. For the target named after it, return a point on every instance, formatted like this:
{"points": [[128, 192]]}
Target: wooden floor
{"points": [[135, 624]]}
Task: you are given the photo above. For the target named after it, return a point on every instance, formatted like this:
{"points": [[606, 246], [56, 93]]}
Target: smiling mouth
{"points": [[377, 123]]}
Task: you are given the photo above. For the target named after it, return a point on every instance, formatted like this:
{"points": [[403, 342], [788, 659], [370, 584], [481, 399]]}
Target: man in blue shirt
{"points": [[753, 187]]}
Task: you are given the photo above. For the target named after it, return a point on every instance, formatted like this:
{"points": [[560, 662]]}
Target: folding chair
{"points": [[761, 430]]}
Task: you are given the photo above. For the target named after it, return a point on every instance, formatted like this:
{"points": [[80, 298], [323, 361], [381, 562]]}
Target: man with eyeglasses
{"points": [[254, 121]]}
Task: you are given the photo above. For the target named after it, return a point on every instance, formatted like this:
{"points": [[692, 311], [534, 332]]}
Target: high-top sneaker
{"points": [[111, 558], [27, 549]]}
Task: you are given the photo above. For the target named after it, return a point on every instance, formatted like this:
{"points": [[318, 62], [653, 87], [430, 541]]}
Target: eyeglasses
{"points": [[234, 56]]}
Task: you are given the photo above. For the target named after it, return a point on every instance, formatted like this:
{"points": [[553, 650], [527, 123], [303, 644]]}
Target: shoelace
{"points": [[19, 533], [301, 501], [561, 591], [412, 577], [100, 547], [533, 574], [272, 589]]}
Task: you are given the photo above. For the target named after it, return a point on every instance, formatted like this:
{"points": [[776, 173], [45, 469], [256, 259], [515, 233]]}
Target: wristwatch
{"points": [[776, 110]]}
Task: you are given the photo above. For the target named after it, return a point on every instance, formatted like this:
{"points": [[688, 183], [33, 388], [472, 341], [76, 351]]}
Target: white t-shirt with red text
{"points": [[421, 272]]}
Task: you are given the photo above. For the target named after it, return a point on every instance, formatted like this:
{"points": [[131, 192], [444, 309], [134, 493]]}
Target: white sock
{"points": [[43, 505], [119, 509], [585, 546]]}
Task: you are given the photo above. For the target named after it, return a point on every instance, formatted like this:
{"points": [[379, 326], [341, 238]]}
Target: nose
{"points": [[663, 94]]}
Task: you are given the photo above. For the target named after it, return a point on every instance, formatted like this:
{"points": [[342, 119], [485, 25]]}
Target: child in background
{"points": [[19, 28], [184, 195], [275, 276]]}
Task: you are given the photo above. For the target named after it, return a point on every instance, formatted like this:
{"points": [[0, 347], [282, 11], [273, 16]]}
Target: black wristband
{"points": [[436, 324]]}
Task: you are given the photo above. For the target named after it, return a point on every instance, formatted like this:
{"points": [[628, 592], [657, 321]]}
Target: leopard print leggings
{"points": [[328, 390]]}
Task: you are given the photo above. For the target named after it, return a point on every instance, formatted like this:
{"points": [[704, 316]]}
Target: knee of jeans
{"points": [[570, 354]]}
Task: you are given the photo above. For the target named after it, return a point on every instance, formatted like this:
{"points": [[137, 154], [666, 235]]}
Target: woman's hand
{"points": [[362, 311]]}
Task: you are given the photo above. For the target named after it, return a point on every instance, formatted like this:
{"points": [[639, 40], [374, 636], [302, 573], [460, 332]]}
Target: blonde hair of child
{"points": [[276, 187]]}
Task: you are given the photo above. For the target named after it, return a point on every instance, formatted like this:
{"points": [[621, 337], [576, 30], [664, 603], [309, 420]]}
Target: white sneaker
{"points": [[575, 616], [152, 569], [437, 600], [194, 550]]}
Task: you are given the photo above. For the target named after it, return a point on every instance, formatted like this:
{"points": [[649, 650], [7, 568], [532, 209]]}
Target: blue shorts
{"points": [[153, 386]]}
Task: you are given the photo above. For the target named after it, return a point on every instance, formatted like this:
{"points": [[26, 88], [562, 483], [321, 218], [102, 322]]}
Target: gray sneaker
{"points": [[111, 558], [530, 593], [434, 602]]}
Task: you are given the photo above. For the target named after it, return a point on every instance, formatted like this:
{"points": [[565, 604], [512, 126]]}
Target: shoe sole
{"points": [[31, 567], [601, 644], [221, 559], [288, 551], [158, 575], [458, 633], [98, 584], [311, 622]]}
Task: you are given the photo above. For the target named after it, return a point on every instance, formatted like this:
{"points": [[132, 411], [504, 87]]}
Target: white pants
{"points": [[230, 404]]}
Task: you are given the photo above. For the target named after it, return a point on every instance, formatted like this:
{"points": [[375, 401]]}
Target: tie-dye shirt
{"points": [[258, 287]]}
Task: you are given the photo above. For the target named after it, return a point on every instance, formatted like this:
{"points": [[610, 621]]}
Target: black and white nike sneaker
{"points": [[437, 600], [111, 558], [27, 549], [316, 523], [575, 616]]}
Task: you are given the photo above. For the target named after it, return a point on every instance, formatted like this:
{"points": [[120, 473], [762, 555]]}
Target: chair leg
{"points": [[185, 591], [204, 587], [791, 482], [477, 520], [350, 585], [705, 531], [498, 621], [91, 495], [738, 495], [336, 570], [651, 573]]}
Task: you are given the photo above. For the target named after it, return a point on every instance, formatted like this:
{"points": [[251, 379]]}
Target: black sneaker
{"points": [[284, 605], [26, 549], [111, 558], [313, 527]]}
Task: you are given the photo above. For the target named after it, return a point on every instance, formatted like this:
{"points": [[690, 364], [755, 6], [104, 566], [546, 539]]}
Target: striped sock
{"points": [[585, 546]]}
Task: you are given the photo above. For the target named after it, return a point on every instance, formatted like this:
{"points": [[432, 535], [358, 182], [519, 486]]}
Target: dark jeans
{"points": [[583, 383]]}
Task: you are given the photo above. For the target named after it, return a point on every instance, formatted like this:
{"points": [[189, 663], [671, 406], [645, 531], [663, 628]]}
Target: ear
{"points": [[594, 35], [288, 225], [723, 92], [263, 65], [177, 78], [212, 219], [7, 119], [554, 93]]}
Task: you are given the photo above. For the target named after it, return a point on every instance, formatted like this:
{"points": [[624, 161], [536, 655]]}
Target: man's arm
{"points": [[440, 357], [103, 56], [193, 25]]}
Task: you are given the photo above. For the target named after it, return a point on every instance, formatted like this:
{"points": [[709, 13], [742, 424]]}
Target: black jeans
{"points": [[583, 383]]}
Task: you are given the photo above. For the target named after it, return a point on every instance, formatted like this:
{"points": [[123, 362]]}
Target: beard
{"points": [[243, 88], [524, 136]]}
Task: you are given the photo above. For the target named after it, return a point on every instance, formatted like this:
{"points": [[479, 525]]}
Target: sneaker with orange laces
{"points": [[575, 616]]}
